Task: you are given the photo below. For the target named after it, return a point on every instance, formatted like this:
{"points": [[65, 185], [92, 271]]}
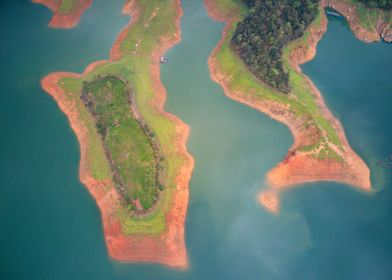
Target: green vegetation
{"points": [[231, 7], [66, 6], [268, 26], [369, 16], [129, 144], [382, 4], [301, 102], [134, 70]]}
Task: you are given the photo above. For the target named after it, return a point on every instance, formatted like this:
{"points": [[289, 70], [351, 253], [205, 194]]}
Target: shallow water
{"points": [[51, 228]]}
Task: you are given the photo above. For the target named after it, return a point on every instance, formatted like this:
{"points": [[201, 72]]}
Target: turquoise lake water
{"points": [[50, 227]]}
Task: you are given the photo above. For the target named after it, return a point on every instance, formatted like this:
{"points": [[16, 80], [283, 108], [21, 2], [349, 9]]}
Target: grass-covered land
{"points": [[381, 4], [369, 15], [129, 144], [156, 19], [66, 6], [301, 101]]}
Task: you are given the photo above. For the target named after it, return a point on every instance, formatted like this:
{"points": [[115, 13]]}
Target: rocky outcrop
{"points": [[386, 33]]}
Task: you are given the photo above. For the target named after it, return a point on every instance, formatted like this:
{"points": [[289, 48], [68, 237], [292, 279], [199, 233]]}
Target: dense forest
{"points": [[269, 25], [382, 4]]}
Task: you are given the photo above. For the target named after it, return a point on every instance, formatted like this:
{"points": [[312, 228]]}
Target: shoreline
{"points": [[167, 248], [298, 167], [66, 20], [381, 31]]}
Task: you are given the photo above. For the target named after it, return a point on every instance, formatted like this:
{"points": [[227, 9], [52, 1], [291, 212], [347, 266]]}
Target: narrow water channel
{"points": [[50, 226]]}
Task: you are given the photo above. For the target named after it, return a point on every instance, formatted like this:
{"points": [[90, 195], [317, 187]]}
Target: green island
{"points": [[133, 155], [129, 144]]}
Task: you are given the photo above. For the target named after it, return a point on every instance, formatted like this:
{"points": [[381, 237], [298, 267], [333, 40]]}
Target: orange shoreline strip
{"points": [[167, 248], [297, 168], [66, 20], [350, 13]]}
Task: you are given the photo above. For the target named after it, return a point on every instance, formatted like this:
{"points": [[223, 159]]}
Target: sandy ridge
{"points": [[297, 168], [167, 248], [67, 20]]}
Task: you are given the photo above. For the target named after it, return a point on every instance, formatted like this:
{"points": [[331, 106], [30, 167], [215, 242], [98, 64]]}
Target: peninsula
{"points": [[134, 161], [272, 82], [66, 13]]}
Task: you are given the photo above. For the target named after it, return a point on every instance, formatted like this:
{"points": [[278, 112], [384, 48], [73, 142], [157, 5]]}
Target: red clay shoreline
{"points": [[167, 248], [298, 167], [67, 20]]}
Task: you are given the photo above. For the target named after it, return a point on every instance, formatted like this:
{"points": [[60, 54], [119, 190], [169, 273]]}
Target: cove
{"points": [[51, 228]]}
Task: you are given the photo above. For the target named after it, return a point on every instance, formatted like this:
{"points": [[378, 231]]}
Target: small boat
{"points": [[333, 13], [163, 59]]}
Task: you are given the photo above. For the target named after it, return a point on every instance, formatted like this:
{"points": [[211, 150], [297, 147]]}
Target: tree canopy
{"points": [[269, 25], [382, 4]]}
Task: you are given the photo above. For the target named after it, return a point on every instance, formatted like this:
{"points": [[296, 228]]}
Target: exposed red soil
{"points": [[349, 12], [297, 167], [66, 20], [270, 200], [167, 248]]}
